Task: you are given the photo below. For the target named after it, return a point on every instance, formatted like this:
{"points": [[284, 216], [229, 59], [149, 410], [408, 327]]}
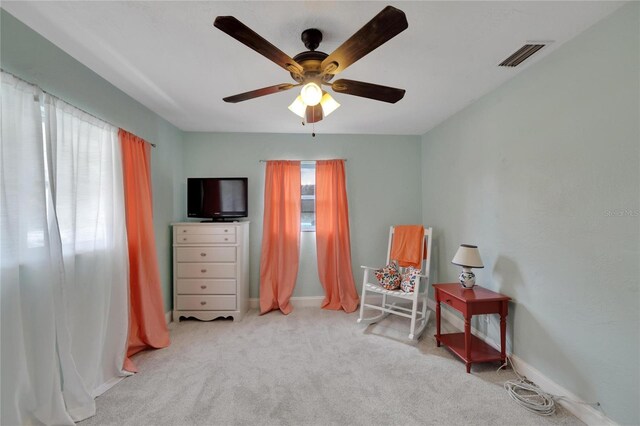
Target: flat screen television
{"points": [[218, 199]]}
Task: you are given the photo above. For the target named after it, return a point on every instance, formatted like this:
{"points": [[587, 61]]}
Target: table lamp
{"points": [[468, 257]]}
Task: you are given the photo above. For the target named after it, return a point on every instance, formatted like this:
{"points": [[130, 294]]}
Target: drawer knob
{"points": [[184, 239], [203, 303], [203, 270], [184, 230], [203, 287], [203, 254], [226, 239], [226, 230]]}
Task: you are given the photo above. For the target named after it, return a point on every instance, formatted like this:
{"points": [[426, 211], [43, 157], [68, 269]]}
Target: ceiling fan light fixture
{"points": [[298, 107], [328, 104], [311, 94]]}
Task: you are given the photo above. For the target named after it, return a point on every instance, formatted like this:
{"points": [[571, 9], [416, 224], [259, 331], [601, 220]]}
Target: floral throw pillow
{"points": [[409, 279], [389, 276]]}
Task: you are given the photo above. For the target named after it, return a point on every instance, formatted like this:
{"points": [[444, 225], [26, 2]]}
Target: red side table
{"points": [[469, 302]]}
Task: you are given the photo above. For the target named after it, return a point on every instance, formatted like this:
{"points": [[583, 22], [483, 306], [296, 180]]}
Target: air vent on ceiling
{"points": [[522, 54]]}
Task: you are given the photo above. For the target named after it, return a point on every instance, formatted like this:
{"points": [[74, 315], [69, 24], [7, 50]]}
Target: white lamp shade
{"points": [[298, 107], [328, 104], [468, 256]]}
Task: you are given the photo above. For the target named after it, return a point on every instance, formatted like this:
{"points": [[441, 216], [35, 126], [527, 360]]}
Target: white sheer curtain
{"points": [[64, 268], [30, 267], [88, 191]]}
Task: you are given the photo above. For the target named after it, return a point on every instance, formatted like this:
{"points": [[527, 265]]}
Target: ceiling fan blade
{"points": [[368, 90], [383, 27], [250, 38], [259, 92], [313, 114]]}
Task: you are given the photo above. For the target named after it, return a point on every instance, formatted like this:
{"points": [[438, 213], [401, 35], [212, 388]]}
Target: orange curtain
{"points": [[280, 235], [332, 237], [147, 326]]}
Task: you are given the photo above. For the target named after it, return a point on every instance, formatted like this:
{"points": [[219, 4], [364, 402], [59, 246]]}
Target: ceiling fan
{"points": [[313, 69]]}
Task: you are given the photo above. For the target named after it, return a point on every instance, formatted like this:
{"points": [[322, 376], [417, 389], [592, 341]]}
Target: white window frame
{"points": [[308, 165]]}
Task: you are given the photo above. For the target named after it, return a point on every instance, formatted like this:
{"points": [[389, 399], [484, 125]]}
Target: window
{"points": [[308, 191], [84, 168]]}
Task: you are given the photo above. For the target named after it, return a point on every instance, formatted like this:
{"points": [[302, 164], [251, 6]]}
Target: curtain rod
{"points": [[58, 97], [302, 161]]}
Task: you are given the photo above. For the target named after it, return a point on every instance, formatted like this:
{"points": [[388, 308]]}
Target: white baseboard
{"points": [[586, 413], [308, 301], [297, 302]]}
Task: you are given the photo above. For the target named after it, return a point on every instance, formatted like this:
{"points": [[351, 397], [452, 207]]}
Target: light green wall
{"points": [[28, 55], [544, 175], [383, 186]]}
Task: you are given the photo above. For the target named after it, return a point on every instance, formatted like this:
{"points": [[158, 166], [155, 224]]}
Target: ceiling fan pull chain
{"points": [[313, 125]]}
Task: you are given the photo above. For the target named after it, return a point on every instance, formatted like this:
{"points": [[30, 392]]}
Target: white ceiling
{"points": [[168, 56]]}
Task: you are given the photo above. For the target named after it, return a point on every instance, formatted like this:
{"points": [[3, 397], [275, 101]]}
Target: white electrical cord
{"points": [[531, 397]]}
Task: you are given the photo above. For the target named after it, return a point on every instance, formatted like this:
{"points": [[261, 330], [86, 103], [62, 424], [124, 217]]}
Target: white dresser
{"points": [[210, 270]]}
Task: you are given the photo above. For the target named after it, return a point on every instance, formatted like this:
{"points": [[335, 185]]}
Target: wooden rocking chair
{"points": [[419, 317]]}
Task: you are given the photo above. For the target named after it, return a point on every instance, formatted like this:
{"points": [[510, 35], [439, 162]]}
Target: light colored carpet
{"points": [[311, 367]]}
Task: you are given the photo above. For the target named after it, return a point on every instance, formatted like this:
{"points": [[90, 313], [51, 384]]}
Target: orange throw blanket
{"points": [[408, 247]]}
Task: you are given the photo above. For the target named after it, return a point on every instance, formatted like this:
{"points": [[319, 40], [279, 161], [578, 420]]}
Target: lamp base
{"points": [[467, 278]]}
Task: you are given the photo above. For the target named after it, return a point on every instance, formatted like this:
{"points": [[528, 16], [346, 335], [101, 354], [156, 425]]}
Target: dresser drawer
{"points": [[206, 254], [205, 238], [206, 270], [200, 230], [198, 286], [206, 303]]}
